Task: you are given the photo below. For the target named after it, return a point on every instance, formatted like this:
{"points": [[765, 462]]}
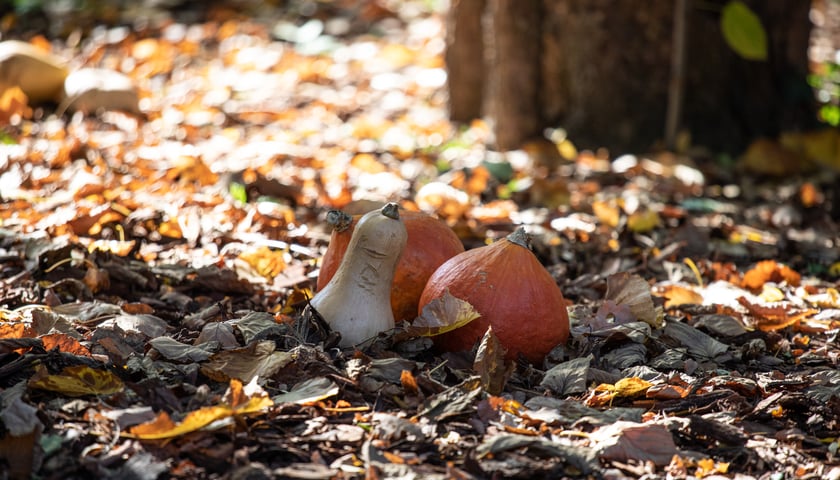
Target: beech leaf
{"points": [[76, 381], [443, 315], [490, 363]]}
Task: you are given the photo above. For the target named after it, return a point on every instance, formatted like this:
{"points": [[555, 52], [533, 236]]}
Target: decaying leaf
{"points": [[490, 363], [700, 345], [678, 294], [628, 299], [308, 391], [164, 427], [172, 349], [453, 401], [257, 359], [264, 261], [625, 441], [568, 377], [13, 102], [580, 457], [775, 316], [442, 315], [603, 394], [76, 381], [64, 343]]}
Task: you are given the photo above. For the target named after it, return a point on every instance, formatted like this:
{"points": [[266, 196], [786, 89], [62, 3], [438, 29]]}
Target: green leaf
{"points": [[238, 192], [743, 31], [7, 139]]}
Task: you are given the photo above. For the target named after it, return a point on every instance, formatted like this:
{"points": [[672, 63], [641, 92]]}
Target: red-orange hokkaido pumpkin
{"points": [[430, 243], [511, 290]]}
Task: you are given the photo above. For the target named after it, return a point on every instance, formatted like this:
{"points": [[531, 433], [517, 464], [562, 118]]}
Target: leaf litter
{"points": [[157, 252]]}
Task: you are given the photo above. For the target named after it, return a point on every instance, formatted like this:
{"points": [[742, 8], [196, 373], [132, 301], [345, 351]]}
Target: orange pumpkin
{"points": [[513, 292], [430, 243]]}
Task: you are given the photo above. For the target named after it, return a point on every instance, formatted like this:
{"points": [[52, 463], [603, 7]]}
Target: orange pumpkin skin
{"points": [[430, 243], [343, 226], [512, 291]]}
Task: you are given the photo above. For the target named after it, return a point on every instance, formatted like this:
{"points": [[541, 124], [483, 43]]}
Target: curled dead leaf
{"points": [[442, 315], [628, 299]]}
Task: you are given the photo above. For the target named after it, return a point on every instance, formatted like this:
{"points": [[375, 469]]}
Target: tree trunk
{"points": [[601, 70], [729, 100], [465, 59], [611, 90], [513, 42]]}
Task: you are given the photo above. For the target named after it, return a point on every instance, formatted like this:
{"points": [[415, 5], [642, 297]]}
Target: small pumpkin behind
{"points": [[430, 243], [513, 292]]}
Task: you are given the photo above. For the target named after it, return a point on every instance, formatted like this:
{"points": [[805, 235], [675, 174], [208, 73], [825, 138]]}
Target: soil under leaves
{"points": [[155, 268]]}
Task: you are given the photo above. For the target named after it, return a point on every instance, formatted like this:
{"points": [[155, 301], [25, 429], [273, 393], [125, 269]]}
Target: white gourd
{"points": [[357, 301]]}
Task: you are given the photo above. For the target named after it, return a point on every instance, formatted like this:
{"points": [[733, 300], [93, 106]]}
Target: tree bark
{"points": [[465, 59], [513, 48], [601, 69]]}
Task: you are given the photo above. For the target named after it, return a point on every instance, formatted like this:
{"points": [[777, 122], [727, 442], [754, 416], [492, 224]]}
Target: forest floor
{"points": [[153, 266]]}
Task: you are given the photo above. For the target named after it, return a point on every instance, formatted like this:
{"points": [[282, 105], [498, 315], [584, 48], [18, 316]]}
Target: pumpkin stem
{"points": [[391, 210], [339, 220], [520, 237]]}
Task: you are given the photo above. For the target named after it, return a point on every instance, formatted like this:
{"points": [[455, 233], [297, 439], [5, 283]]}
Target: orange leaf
{"points": [[776, 317], [137, 308], [678, 295], [769, 271], [65, 343], [12, 330], [13, 102], [163, 427], [409, 383]]}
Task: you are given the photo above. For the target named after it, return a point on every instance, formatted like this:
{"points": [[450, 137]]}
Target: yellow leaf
{"points": [[643, 221], [607, 213], [163, 427], [631, 387], [265, 261], [76, 381]]}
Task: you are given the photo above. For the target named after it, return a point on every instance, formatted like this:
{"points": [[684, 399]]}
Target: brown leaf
{"points": [[442, 315], [631, 292], [257, 359], [490, 364], [625, 441]]}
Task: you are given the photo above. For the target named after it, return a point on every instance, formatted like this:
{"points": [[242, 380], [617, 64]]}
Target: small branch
{"points": [[676, 85]]}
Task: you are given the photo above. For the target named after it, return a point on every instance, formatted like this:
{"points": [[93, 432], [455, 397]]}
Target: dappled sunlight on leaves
{"points": [[76, 381]]}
